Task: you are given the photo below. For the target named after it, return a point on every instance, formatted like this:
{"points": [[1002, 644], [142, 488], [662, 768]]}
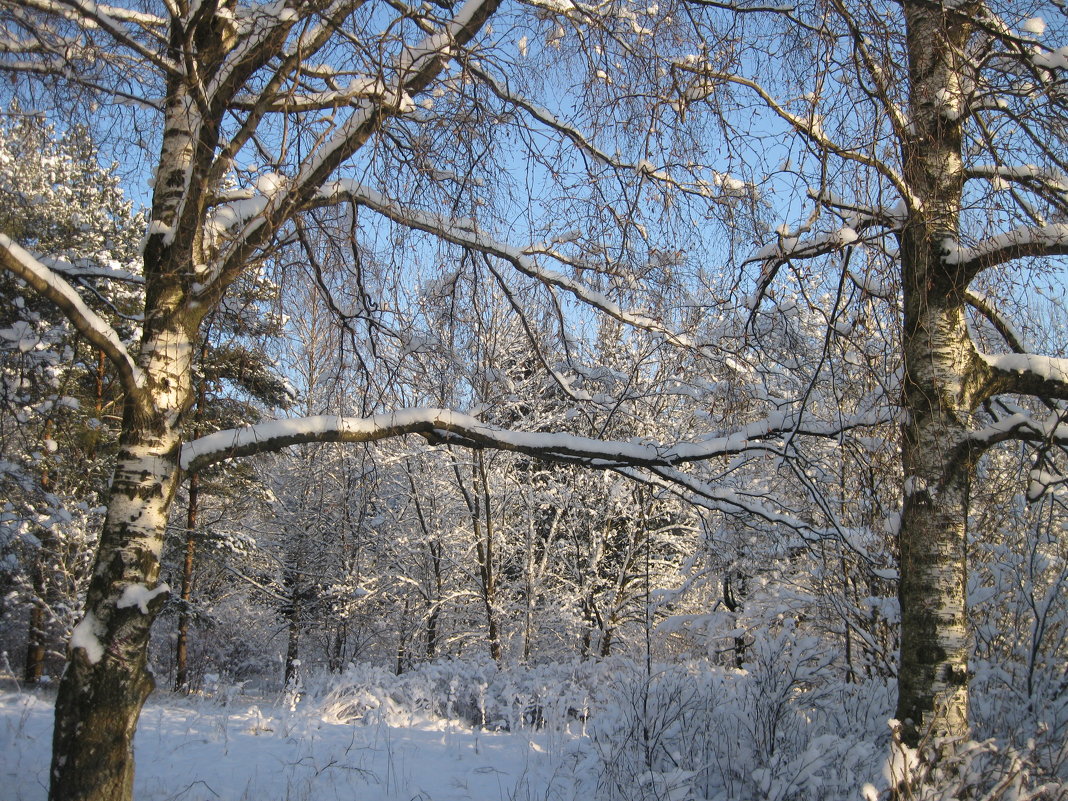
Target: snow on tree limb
{"points": [[439, 425], [89, 15], [416, 67], [1029, 374], [410, 73], [1019, 243], [1030, 175], [1020, 426], [19, 262]]}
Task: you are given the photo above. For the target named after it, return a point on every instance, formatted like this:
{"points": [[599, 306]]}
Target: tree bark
{"points": [[181, 651], [939, 388], [107, 678]]}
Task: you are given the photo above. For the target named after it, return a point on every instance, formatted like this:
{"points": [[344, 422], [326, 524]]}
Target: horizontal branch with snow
{"points": [[1028, 374], [1020, 426], [1019, 243], [444, 425]]}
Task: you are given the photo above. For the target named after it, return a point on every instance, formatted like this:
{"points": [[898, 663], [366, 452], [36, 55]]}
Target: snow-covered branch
{"points": [[1029, 175], [1028, 374], [410, 73], [19, 262], [444, 425], [88, 16], [308, 44], [1019, 243], [416, 68], [437, 425], [1020, 426]]}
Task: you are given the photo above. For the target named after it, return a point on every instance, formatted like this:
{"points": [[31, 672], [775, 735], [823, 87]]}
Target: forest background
{"points": [[790, 280]]}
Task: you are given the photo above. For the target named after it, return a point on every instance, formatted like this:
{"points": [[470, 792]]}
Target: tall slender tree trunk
{"points": [[402, 640], [606, 641], [293, 615], [528, 592], [336, 661], [107, 680], [939, 391], [181, 650], [474, 499], [730, 600], [486, 558], [293, 647], [435, 608], [35, 636], [484, 550]]}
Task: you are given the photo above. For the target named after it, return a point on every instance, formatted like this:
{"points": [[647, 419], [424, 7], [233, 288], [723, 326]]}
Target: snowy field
{"points": [[200, 750], [598, 731], [464, 729]]}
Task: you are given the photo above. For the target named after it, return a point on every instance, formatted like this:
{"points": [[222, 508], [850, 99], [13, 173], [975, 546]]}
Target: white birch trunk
{"points": [[107, 679], [938, 396]]}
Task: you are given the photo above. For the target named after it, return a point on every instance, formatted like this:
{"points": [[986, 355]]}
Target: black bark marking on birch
{"points": [[956, 676], [931, 654]]}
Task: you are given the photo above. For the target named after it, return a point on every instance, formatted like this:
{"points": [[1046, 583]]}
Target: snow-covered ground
{"points": [[602, 730], [264, 750]]}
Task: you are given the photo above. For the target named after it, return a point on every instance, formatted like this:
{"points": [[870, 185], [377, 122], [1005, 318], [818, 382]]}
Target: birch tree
{"points": [[929, 140]]}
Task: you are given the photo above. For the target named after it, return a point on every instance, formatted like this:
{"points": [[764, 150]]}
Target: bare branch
{"points": [[466, 233], [810, 129], [1011, 336], [90, 15], [415, 68]]}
